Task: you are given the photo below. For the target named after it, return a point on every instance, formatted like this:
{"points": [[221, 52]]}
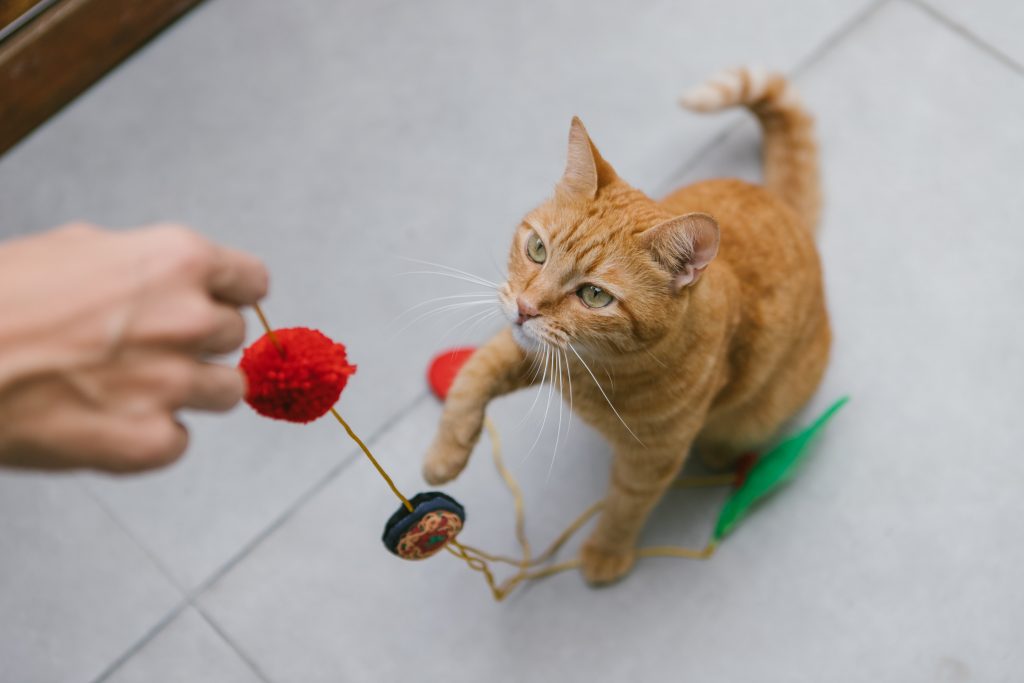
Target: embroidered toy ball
{"points": [[295, 374], [435, 519], [444, 367]]}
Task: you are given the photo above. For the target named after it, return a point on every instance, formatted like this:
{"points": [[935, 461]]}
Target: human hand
{"points": [[104, 336]]}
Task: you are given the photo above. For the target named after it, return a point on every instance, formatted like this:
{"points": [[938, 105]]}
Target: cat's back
{"points": [[763, 241]]}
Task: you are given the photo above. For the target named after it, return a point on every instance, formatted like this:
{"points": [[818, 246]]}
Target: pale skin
{"points": [[107, 335]]}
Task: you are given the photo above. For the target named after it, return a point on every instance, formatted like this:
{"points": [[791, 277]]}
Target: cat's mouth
{"points": [[529, 334], [525, 337], [534, 335]]}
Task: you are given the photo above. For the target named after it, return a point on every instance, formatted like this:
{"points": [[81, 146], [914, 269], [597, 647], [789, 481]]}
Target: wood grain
{"points": [[63, 51], [12, 9]]}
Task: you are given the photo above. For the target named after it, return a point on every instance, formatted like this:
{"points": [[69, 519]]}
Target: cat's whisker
{"points": [[450, 307], [568, 377], [478, 316], [542, 356], [454, 276], [479, 296], [547, 409], [540, 386], [608, 375], [473, 320], [601, 389], [480, 320], [534, 368], [450, 269], [558, 432], [440, 310], [656, 359]]}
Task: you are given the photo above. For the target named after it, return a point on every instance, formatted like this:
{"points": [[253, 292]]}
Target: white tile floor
{"points": [[333, 137]]}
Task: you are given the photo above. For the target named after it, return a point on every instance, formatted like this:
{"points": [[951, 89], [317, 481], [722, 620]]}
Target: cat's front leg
{"points": [[639, 478], [497, 367]]}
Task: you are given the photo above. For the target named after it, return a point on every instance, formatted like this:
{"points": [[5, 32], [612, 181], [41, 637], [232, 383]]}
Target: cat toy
{"points": [[298, 374]]}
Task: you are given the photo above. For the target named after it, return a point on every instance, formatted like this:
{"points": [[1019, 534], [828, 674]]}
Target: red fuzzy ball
{"points": [[300, 384], [444, 367]]}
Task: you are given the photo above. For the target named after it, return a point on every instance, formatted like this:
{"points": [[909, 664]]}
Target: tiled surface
{"points": [[330, 137], [995, 22], [890, 560], [322, 601], [333, 139], [241, 474], [187, 650], [75, 590]]}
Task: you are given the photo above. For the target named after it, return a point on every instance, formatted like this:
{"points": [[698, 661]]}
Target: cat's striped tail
{"points": [[790, 153]]}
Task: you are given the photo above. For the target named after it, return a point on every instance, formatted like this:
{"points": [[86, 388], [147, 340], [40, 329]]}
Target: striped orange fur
{"points": [[711, 317]]}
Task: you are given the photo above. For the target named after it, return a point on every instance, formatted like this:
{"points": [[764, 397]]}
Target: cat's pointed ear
{"points": [[585, 171], [684, 245]]}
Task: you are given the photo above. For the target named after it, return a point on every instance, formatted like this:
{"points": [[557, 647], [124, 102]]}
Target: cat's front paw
{"points": [[603, 565], [444, 461]]}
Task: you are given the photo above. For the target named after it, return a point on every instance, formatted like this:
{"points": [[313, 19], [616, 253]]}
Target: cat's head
{"points": [[600, 265]]}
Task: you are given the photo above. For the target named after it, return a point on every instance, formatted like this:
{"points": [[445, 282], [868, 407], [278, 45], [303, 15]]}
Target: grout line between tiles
{"points": [[969, 36], [153, 632], [253, 666], [303, 498], [816, 53], [116, 519], [837, 36], [190, 597]]}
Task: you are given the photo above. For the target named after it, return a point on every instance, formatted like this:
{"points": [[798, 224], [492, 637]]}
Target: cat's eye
{"points": [[535, 248], [594, 296]]}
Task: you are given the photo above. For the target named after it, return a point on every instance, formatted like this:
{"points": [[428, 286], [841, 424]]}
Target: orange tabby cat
{"points": [[706, 307]]}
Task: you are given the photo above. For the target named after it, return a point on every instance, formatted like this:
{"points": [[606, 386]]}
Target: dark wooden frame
{"points": [[66, 48]]}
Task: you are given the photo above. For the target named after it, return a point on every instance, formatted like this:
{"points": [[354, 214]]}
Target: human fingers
{"points": [[215, 388], [78, 438], [229, 275], [136, 445], [236, 277], [165, 381], [189, 322], [223, 333]]}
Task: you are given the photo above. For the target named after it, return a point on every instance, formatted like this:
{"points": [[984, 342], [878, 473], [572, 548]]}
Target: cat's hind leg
{"points": [[734, 430]]}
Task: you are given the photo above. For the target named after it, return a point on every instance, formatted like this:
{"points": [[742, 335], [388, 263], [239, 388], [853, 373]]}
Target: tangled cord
{"points": [[478, 559]]}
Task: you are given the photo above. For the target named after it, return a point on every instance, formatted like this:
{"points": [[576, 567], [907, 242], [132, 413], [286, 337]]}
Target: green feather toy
{"points": [[773, 470]]}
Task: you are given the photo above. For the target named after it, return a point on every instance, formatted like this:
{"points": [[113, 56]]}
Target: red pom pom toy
{"points": [[444, 367], [295, 374]]}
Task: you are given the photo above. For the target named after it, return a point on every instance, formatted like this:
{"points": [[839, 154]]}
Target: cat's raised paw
{"points": [[602, 566], [443, 463]]}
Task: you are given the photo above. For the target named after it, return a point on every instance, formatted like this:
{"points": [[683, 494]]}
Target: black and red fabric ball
{"points": [[298, 382], [436, 518]]}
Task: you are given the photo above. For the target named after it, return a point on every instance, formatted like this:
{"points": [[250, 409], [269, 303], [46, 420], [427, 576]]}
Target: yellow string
{"points": [[477, 559], [352, 435], [270, 332], [525, 573], [373, 460]]}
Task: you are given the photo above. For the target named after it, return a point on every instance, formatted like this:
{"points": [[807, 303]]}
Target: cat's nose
{"points": [[526, 310]]}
